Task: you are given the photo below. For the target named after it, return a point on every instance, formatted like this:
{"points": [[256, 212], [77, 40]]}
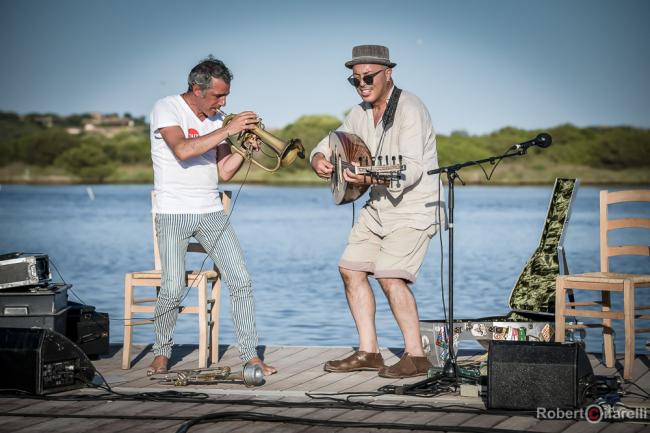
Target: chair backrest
{"points": [[607, 225], [193, 247]]}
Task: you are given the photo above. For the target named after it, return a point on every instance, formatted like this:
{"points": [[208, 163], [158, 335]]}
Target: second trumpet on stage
{"points": [[283, 154]]}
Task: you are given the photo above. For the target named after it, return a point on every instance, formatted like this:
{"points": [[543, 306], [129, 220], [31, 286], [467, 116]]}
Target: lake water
{"points": [[292, 238]]}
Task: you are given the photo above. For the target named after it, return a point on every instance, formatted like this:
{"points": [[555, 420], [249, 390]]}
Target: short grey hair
{"points": [[207, 69]]}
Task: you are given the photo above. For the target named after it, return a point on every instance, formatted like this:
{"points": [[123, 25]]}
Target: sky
{"points": [[478, 65]]}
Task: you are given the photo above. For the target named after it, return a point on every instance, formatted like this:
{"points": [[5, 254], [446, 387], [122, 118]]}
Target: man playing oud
{"points": [[391, 237]]}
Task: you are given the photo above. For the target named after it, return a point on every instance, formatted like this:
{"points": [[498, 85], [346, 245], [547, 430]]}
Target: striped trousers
{"points": [[218, 238]]}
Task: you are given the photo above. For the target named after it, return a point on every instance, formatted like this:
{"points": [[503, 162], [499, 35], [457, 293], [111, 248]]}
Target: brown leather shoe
{"points": [[408, 366], [358, 361]]}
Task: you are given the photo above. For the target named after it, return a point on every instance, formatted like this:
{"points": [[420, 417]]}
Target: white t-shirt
{"points": [[189, 186]]}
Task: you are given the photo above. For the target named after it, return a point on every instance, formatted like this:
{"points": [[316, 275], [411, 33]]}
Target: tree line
{"points": [[44, 140], [94, 157]]}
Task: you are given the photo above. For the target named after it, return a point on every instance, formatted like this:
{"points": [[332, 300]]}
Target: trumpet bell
{"points": [[293, 150], [283, 154]]}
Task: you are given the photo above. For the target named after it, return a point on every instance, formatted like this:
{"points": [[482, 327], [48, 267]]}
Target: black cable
{"points": [[646, 394], [636, 394], [149, 396], [57, 270], [450, 332], [188, 289], [96, 416], [331, 402], [248, 416], [417, 407], [50, 260], [256, 417], [499, 159], [202, 398], [69, 289], [167, 395], [191, 286], [442, 385], [334, 403]]}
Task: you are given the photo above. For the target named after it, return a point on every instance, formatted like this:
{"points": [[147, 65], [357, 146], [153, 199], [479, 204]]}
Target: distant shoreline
{"points": [[43, 150], [304, 178], [539, 172], [323, 184]]}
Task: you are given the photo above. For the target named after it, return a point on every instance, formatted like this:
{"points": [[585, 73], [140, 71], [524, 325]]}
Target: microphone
{"points": [[543, 140]]}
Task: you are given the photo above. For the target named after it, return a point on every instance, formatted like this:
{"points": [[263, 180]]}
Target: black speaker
{"points": [[527, 375], [89, 329], [41, 361]]}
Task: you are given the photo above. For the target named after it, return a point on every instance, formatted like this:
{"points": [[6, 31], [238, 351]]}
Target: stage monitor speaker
{"points": [[527, 375], [41, 361]]}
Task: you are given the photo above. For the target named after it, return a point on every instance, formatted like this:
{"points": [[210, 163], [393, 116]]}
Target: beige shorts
{"points": [[397, 255]]}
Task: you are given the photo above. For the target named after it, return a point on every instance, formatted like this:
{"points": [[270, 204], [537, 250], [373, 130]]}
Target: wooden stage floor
{"points": [[284, 395]]}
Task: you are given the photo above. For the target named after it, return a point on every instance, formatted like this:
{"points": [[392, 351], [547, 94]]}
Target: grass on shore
{"points": [[529, 173]]}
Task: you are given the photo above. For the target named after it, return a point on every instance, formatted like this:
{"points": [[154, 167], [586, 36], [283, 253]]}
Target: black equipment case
{"points": [[89, 329], [17, 270], [40, 307]]}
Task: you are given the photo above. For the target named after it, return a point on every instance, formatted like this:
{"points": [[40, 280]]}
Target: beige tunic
{"points": [[414, 203]]}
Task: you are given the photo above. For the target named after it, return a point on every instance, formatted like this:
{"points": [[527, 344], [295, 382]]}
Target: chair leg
{"points": [[203, 322], [608, 331], [560, 302], [214, 318], [128, 327], [628, 308]]}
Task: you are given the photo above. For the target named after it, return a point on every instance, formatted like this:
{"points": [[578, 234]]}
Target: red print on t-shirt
{"points": [[192, 133]]}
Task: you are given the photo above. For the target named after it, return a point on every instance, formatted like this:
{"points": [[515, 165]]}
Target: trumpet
{"points": [[283, 153], [251, 375]]}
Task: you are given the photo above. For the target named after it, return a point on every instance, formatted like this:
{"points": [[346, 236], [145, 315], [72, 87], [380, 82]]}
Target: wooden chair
{"points": [[208, 302], [607, 283]]}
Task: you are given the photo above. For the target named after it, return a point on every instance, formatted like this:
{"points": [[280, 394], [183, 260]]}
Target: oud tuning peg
{"points": [[372, 159], [393, 158], [400, 160], [379, 158]]}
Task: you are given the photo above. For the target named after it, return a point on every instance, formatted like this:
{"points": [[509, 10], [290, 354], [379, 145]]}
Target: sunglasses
{"points": [[368, 79]]}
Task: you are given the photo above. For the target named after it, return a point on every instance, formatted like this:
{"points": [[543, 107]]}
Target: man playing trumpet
{"points": [[391, 237], [190, 152]]}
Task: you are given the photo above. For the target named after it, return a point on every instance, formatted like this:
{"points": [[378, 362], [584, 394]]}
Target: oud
{"points": [[346, 148]]}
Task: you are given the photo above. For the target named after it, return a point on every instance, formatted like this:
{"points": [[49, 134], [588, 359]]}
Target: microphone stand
{"points": [[450, 369]]}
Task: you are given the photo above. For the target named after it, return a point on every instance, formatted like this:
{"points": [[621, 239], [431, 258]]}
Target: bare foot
{"points": [[158, 366], [267, 369]]}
